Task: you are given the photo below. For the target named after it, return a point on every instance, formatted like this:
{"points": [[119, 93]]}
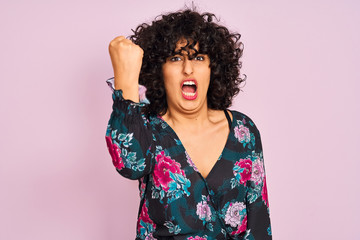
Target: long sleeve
{"points": [[258, 215], [129, 138]]}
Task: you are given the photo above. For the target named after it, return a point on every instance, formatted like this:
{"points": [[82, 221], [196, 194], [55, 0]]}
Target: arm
{"points": [[129, 138], [258, 217]]}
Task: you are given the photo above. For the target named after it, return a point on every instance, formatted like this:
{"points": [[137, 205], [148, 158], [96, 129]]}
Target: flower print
{"points": [[197, 238], [162, 170], [257, 171], [144, 216], [142, 187], [203, 211], [234, 214], [145, 225], [269, 230], [242, 227], [172, 227], [242, 170], [115, 152], [190, 162], [169, 180], [264, 193], [242, 133], [150, 237]]}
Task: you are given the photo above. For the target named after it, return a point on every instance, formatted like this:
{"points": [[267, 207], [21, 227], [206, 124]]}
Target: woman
{"points": [[199, 165]]}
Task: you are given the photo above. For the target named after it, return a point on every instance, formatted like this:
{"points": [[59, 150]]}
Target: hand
{"points": [[126, 58]]}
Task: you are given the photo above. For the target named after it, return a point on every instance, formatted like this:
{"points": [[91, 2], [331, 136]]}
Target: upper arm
{"points": [[258, 215], [129, 138]]}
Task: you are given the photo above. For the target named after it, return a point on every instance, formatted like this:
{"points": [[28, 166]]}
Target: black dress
{"points": [[176, 202]]}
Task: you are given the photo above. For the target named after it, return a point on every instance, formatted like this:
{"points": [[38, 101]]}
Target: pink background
{"points": [[56, 176]]}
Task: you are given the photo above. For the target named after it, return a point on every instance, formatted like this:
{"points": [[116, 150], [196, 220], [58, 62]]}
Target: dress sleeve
{"points": [[129, 138], [258, 215]]}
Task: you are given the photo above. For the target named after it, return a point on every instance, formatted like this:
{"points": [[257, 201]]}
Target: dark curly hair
{"points": [[158, 41]]}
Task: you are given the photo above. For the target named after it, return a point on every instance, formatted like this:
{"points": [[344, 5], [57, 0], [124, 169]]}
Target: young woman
{"points": [[199, 165]]}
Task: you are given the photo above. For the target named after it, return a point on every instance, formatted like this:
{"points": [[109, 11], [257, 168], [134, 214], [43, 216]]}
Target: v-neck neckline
{"points": [[192, 165]]}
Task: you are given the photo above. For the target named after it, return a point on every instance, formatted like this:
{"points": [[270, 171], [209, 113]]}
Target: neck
{"points": [[193, 121]]}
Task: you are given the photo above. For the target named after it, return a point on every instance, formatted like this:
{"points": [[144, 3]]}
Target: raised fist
{"points": [[126, 58]]}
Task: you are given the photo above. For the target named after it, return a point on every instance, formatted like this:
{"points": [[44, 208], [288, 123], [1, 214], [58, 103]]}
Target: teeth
{"points": [[189, 83], [189, 94]]}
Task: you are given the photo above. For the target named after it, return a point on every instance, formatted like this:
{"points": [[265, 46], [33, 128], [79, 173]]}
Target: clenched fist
{"points": [[126, 58]]}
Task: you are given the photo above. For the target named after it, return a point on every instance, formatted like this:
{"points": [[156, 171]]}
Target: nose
{"points": [[188, 67]]}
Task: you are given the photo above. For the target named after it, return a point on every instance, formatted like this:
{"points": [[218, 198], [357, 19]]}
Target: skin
{"points": [[126, 58], [202, 131]]}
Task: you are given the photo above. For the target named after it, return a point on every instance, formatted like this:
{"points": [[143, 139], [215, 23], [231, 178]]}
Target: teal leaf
{"points": [[122, 137], [124, 152], [181, 178], [113, 134], [168, 224], [172, 175], [210, 227], [154, 194], [142, 224], [177, 229], [172, 186], [162, 194]]}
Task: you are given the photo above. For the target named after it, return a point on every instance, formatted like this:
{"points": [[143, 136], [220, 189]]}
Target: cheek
{"points": [[206, 82], [169, 85], [206, 73], [171, 78], [168, 82], [168, 74], [166, 78]]}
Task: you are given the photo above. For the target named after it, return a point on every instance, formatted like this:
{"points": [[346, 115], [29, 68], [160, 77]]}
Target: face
{"points": [[186, 81]]}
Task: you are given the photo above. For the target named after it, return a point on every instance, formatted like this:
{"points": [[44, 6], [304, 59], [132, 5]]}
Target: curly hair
{"points": [[159, 40]]}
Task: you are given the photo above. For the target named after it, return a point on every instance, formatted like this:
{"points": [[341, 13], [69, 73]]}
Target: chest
{"points": [[205, 148]]}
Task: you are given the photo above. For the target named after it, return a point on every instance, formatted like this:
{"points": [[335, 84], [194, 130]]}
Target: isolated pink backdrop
{"points": [[56, 176]]}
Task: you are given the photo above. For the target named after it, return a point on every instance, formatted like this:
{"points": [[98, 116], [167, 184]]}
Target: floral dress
{"points": [[176, 202]]}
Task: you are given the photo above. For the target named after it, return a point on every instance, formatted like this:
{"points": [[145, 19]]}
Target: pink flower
{"points": [[257, 171], [196, 238], [164, 165], [242, 227], [144, 216], [264, 193], [142, 188], [246, 165], [115, 152], [190, 162], [242, 133], [203, 211], [234, 213]]}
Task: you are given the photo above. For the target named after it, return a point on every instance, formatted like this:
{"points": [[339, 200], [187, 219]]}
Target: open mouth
{"points": [[189, 88]]}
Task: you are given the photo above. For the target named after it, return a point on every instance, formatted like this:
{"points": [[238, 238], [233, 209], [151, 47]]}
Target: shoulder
{"points": [[245, 131], [240, 118]]}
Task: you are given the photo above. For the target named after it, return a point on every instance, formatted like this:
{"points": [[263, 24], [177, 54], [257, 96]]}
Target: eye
{"points": [[175, 59], [199, 58]]}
